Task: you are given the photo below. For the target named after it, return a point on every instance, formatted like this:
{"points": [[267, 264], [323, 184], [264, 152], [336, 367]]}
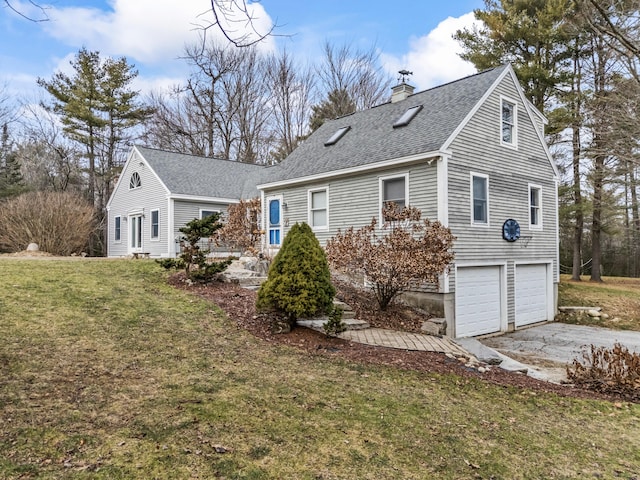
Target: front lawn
{"points": [[619, 298], [108, 372]]}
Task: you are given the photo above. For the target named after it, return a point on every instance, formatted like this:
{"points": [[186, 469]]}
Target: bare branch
{"points": [[613, 30], [23, 15], [236, 22]]}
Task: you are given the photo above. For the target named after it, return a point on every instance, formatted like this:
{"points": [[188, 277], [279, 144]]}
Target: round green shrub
{"points": [[299, 282]]}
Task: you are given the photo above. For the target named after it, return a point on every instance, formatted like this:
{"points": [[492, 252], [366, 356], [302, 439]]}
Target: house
{"points": [[158, 192], [471, 154]]}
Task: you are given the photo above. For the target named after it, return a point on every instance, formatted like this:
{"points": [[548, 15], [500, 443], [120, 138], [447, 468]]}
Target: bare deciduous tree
{"points": [[357, 72], [292, 90], [49, 160]]}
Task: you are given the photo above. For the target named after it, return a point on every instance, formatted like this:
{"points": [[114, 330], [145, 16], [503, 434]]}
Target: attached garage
{"points": [[531, 294], [478, 304]]}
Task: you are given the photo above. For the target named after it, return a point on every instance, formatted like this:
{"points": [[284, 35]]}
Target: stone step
{"points": [[317, 323], [579, 309], [345, 307], [250, 281], [348, 315]]}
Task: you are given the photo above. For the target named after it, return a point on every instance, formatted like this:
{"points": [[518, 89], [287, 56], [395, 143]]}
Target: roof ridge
{"points": [[431, 89], [201, 157]]}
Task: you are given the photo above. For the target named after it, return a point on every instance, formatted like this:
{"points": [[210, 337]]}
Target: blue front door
{"points": [[275, 221]]}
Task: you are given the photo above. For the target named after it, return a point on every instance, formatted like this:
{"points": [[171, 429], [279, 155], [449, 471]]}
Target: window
{"points": [[207, 213], [318, 209], [508, 123], [394, 190], [337, 136], [480, 199], [535, 206], [117, 229], [407, 116], [135, 181], [155, 224]]}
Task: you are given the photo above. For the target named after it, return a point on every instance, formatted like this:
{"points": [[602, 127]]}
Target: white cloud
{"points": [[433, 58], [145, 31]]}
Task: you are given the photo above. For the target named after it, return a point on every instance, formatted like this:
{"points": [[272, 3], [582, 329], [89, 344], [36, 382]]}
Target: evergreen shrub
{"points": [[299, 282]]}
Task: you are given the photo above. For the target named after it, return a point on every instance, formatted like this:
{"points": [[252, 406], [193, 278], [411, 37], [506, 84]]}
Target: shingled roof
{"points": [[371, 137], [202, 176]]}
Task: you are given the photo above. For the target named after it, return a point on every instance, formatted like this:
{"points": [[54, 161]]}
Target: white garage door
{"points": [[531, 294], [477, 301]]}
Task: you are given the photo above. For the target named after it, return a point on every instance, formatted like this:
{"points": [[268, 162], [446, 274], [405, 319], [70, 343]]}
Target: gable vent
{"points": [[337, 136], [407, 116]]}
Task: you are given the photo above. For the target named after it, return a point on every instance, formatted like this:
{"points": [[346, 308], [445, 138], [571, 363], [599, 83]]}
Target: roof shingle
{"points": [[372, 138], [201, 176]]}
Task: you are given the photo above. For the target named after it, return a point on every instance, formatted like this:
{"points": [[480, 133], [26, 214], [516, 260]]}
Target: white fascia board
{"points": [[120, 178], [167, 191], [196, 198], [528, 108], [476, 107], [349, 171]]}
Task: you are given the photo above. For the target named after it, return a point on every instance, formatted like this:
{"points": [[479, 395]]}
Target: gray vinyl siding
{"points": [[185, 210], [477, 149], [354, 200], [150, 196]]}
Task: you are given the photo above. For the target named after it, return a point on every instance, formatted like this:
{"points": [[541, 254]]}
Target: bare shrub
{"points": [[404, 253], [59, 222], [241, 231], [615, 370]]}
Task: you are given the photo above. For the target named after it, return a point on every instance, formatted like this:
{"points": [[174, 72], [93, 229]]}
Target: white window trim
{"points": [[514, 143], [472, 209], [117, 240], [151, 237], [131, 178], [206, 210], [381, 181], [537, 226], [310, 193], [272, 248]]}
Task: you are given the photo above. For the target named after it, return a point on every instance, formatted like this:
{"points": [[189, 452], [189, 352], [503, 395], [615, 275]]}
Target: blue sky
{"points": [[152, 33]]}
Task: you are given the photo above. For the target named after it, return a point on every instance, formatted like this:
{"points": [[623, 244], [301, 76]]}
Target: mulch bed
{"points": [[239, 305]]}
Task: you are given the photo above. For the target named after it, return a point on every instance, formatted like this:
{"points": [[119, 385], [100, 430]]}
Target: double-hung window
{"points": [[479, 199], [207, 213], [393, 190], [155, 224], [508, 120], [319, 209], [117, 231], [535, 206]]}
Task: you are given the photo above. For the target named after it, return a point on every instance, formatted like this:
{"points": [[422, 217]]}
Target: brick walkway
{"points": [[404, 340]]}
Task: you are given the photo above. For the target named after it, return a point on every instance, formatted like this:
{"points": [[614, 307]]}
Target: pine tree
{"points": [[97, 107], [11, 181], [299, 282], [337, 104]]}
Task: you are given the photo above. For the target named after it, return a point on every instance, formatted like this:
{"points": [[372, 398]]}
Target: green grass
{"points": [[106, 372], [619, 298]]}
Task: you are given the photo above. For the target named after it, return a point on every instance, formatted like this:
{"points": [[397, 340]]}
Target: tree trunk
{"points": [[596, 224], [576, 145], [579, 213], [635, 224]]}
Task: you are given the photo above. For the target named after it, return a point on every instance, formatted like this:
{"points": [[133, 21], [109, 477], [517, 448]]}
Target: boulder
{"points": [[33, 247]]}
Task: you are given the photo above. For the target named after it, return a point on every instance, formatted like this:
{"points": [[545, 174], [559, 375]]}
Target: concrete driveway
{"points": [[544, 351]]}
